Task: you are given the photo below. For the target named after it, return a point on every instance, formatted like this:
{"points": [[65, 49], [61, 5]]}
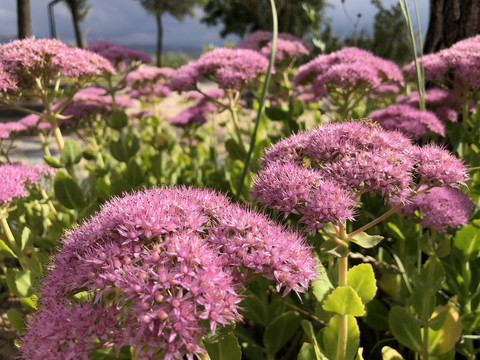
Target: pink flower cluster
{"points": [[11, 128], [443, 103], [320, 173], [349, 68], [230, 68], [288, 46], [159, 268], [408, 120], [441, 208], [48, 59], [120, 56], [16, 179], [457, 67], [148, 83]]}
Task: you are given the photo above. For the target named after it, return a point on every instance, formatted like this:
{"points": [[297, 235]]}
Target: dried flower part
{"points": [[17, 178], [288, 46], [349, 67], [230, 68], [49, 59], [167, 265], [120, 56], [442, 208], [293, 189], [408, 120]]}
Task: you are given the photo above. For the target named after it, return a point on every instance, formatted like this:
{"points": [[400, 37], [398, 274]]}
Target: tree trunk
{"points": [[23, 19], [451, 21], [76, 23], [158, 17]]}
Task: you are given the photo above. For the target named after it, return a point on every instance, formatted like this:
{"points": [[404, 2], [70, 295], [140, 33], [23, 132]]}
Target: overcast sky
{"points": [[125, 21]]}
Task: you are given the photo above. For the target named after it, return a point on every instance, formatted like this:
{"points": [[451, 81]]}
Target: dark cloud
{"points": [[125, 21]]}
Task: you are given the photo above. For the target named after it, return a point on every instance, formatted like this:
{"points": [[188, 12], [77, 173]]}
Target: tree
{"points": [[79, 10], [451, 21], [176, 8], [241, 17], [23, 19]]}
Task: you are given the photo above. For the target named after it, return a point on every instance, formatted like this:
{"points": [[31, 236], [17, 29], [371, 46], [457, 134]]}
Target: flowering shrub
{"points": [[172, 263]]}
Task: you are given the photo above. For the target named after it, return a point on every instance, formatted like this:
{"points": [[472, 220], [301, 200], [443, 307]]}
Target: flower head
{"points": [[288, 46], [49, 59], [120, 56], [408, 120], [149, 83], [230, 68], [441, 208], [443, 103], [17, 178], [167, 266]]}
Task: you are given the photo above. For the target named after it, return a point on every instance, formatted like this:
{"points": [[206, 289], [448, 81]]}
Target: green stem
{"points": [[253, 139], [426, 306], [8, 234], [342, 319]]}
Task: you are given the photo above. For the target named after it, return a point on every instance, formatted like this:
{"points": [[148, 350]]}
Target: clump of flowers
{"points": [[441, 208], [350, 159], [231, 69], [456, 68], [149, 84], [443, 103], [33, 65], [159, 269], [351, 74], [17, 179], [120, 56], [289, 47], [408, 120]]}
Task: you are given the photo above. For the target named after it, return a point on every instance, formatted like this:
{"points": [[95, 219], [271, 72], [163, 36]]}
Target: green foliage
{"points": [[241, 17], [224, 349]]}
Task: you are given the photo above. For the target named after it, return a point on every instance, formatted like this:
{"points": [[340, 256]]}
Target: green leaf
{"points": [[390, 354], [134, 173], [225, 349], [108, 353], [322, 286], [68, 192], [444, 339], [30, 302], [344, 301], [298, 109], [405, 328], [330, 338], [395, 232], [89, 154], [307, 352], [471, 322], [25, 239], [256, 310], [331, 247], [71, 153], [276, 114], [362, 279], [280, 330], [52, 162], [5, 247], [467, 239], [17, 319], [235, 151], [20, 282], [366, 241], [376, 315], [437, 280], [317, 352], [119, 120]]}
